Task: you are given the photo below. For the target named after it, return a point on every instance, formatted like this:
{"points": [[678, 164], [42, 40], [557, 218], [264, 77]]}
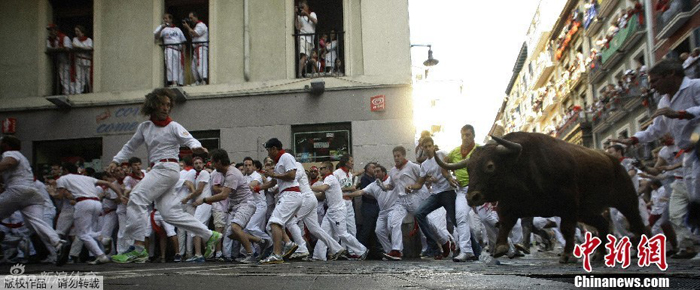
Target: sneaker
{"points": [[131, 256], [522, 248], [62, 251], [49, 260], [299, 255], [289, 249], [338, 254], [100, 260], [264, 245], [177, 258], [273, 259], [463, 257], [195, 259], [394, 255], [72, 260], [249, 259], [446, 249], [211, 244], [364, 255], [107, 245]]}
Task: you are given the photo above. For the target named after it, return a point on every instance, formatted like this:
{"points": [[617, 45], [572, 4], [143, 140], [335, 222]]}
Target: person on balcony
{"points": [[58, 45], [83, 60], [305, 23], [200, 47], [172, 49], [331, 52]]}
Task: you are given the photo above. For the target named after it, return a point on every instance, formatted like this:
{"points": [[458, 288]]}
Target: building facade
{"points": [[253, 91]]}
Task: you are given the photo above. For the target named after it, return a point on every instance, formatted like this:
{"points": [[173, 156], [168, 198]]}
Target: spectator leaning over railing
{"points": [[83, 60], [305, 23], [172, 49], [331, 51], [58, 44], [200, 47]]}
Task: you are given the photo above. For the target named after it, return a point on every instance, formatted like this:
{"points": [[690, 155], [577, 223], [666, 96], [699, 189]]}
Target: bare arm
{"points": [[8, 163]]}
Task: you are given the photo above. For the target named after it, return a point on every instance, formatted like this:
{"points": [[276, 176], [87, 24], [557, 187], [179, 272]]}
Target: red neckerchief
{"points": [[402, 164], [188, 168], [84, 38], [622, 158], [313, 181], [59, 38], [324, 177], [161, 123], [200, 21], [197, 174], [133, 175], [385, 178], [346, 169], [277, 159], [469, 149]]}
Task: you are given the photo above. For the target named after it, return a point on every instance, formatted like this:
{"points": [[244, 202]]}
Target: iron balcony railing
{"points": [[186, 63], [319, 54], [71, 70]]}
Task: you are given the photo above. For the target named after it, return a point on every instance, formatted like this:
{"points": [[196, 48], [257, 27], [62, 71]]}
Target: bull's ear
{"points": [[506, 147]]}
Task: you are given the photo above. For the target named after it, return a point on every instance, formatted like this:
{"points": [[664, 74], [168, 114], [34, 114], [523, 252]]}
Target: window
{"points": [[209, 140], [321, 142], [84, 152], [71, 69], [320, 50], [194, 51]]}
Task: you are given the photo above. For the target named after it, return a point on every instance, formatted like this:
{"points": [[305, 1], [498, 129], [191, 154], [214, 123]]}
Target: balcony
{"points": [[322, 56], [607, 7], [623, 40], [669, 21], [592, 21], [550, 100], [71, 71], [619, 107], [578, 121], [545, 66], [186, 63]]}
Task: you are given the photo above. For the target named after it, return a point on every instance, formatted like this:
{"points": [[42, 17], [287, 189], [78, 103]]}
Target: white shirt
{"points": [[170, 34], [216, 179], [20, 175], [307, 26], [669, 154], [161, 142], [203, 32], [334, 194], [659, 199], [83, 58], [385, 199], [182, 190], [260, 195], [110, 201], [78, 185], [687, 98], [203, 176], [430, 168], [55, 43], [407, 175], [285, 164], [48, 204]]}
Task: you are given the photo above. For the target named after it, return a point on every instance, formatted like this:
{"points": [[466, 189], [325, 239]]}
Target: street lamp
{"points": [[430, 61]]}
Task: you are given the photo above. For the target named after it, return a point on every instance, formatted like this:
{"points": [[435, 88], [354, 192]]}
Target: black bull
{"points": [[531, 174]]}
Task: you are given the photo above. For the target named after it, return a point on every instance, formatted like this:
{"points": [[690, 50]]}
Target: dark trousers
{"points": [[366, 236], [444, 199]]}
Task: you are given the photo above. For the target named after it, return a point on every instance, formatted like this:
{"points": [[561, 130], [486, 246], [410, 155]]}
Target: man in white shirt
{"points": [[345, 178], [163, 139], [87, 208], [290, 200], [256, 225], [59, 44], [172, 49], [305, 22], [200, 47], [130, 182], [335, 218], [20, 194], [185, 188], [202, 212]]}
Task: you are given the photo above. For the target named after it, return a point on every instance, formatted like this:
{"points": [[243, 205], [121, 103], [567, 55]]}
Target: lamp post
{"points": [[430, 61]]}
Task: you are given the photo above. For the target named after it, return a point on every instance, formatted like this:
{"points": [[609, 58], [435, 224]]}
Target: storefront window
{"points": [[321, 142]]}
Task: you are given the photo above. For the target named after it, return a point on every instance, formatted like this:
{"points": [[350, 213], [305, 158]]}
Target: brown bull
{"points": [[532, 174]]}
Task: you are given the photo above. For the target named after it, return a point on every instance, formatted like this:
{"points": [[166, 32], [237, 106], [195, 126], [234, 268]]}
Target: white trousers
{"points": [[108, 223], [256, 225], [489, 218], [678, 209], [308, 215], [334, 223], [86, 215], [462, 227], [159, 186], [200, 62], [184, 238], [123, 242], [350, 218], [30, 203], [388, 231], [174, 65]]}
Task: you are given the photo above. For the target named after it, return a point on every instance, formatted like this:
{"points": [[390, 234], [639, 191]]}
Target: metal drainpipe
{"points": [[650, 33], [246, 41]]}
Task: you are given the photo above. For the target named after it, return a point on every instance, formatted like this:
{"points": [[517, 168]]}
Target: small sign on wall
{"points": [[9, 126], [377, 103]]}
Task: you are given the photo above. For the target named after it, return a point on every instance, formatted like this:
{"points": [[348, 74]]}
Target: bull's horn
{"points": [[451, 166], [507, 147]]}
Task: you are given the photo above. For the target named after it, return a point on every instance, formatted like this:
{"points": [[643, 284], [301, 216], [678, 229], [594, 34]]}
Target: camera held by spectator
{"points": [[188, 22]]}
